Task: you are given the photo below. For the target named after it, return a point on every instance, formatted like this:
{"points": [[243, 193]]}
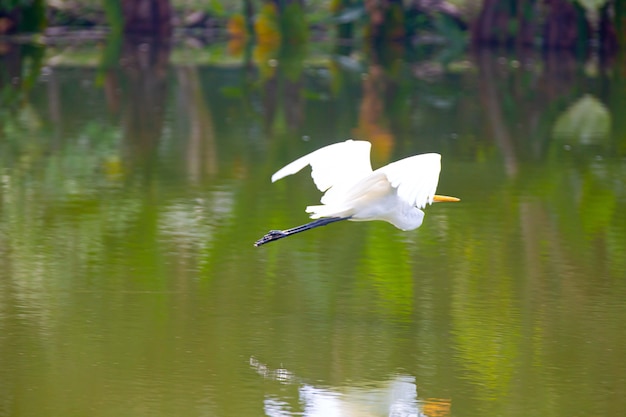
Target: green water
{"points": [[130, 198]]}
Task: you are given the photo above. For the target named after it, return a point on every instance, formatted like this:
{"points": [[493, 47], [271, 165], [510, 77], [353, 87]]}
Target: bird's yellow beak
{"points": [[444, 199]]}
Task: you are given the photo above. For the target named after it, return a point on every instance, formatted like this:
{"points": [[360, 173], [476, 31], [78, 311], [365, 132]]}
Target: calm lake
{"points": [[132, 190]]}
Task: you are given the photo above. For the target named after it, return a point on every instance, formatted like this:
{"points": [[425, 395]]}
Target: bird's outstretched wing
{"points": [[339, 163], [415, 178]]}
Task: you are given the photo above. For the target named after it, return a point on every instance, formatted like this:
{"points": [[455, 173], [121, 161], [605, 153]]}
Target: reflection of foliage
{"points": [[268, 39], [386, 265], [295, 35], [267, 25], [237, 29], [27, 62], [238, 34], [347, 11], [455, 39], [293, 24], [114, 16], [68, 206], [33, 13], [592, 5], [587, 122], [111, 54], [279, 52], [280, 36], [486, 324], [513, 294], [597, 205], [386, 21]]}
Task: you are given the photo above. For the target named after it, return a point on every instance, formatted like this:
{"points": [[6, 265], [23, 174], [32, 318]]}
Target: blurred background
{"points": [[137, 139]]}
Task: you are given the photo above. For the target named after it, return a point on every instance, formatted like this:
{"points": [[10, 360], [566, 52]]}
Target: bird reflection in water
{"points": [[396, 397]]}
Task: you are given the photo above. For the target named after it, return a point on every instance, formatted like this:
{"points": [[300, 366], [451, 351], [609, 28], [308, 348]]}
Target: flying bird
{"points": [[395, 193]]}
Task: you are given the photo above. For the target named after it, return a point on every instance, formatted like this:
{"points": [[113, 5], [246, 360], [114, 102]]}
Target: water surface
{"points": [[131, 196]]}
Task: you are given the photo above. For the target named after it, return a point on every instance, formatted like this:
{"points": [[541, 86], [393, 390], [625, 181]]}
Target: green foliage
{"points": [[32, 13], [391, 279], [8, 5], [454, 36], [293, 24], [598, 205], [350, 14], [113, 12], [111, 54], [586, 122], [592, 5]]}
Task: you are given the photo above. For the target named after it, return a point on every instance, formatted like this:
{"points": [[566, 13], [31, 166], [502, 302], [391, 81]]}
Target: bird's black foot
{"points": [[271, 235]]}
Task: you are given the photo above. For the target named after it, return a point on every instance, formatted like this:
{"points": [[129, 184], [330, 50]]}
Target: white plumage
{"points": [[395, 193]]}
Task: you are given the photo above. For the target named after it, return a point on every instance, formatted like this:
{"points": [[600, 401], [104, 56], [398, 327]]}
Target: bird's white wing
{"points": [[415, 178], [339, 163]]}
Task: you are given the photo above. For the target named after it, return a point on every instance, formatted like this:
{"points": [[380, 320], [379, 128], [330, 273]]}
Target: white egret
{"points": [[395, 193]]}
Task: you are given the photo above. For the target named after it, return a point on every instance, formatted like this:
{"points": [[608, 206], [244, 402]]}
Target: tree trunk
{"points": [[620, 22], [145, 81], [147, 17], [507, 22], [566, 26], [512, 22], [607, 34], [386, 20]]}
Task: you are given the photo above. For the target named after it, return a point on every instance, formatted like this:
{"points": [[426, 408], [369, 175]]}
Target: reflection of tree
{"points": [[270, 101], [486, 324], [386, 20], [519, 330], [561, 24], [22, 16], [151, 17], [11, 60], [539, 94], [201, 155], [493, 113], [382, 101], [281, 41], [392, 281], [509, 323], [372, 124], [21, 66], [515, 294], [146, 63], [282, 88]]}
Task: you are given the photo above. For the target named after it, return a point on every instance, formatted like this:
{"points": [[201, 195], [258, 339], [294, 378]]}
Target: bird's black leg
{"points": [[273, 235]]}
